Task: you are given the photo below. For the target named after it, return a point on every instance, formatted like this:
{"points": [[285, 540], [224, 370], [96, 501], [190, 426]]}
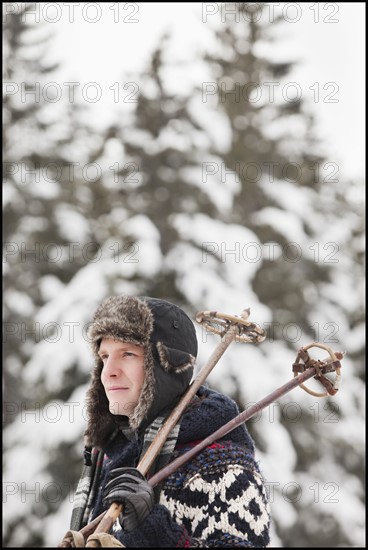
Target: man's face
{"points": [[122, 374]]}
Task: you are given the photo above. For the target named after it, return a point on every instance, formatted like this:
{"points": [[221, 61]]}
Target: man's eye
{"points": [[103, 357]]}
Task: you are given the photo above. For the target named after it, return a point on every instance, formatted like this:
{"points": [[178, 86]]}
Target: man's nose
{"points": [[111, 367]]}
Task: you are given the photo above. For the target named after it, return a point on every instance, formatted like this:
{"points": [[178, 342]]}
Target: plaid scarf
{"points": [[93, 460]]}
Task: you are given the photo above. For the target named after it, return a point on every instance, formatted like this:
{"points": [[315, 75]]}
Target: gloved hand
{"points": [[103, 540], [129, 487], [75, 539]]}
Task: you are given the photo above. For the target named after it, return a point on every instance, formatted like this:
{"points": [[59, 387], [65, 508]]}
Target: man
{"points": [[145, 349]]}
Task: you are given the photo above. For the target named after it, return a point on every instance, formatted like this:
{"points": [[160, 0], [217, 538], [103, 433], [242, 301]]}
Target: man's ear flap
{"points": [[174, 360]]}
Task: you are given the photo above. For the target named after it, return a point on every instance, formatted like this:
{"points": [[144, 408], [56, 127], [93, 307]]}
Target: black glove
{"points": [[129, 487]]}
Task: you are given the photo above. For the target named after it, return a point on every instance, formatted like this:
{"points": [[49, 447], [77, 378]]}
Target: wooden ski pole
{"points": [[245, 416]]}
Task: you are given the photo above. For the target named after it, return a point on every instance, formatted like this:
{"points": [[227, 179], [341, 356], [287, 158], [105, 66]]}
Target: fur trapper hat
{"points": [[169, 340]]}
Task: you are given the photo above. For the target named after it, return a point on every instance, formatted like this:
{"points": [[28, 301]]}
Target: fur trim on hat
{"points": [[147, 394], [124, 318], [174, 359]]}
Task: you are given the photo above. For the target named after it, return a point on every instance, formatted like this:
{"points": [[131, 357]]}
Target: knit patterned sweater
{"points": [[217, 499]]}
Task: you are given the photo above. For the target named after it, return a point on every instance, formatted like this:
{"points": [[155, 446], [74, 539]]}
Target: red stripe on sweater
{"points": [[194, 443]]}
